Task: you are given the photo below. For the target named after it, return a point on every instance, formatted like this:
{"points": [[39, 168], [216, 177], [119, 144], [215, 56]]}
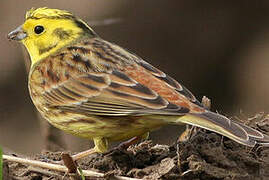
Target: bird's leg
{"points": [[101, 146], [83, 154]]}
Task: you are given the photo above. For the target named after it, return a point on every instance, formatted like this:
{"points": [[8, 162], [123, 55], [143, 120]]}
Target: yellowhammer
{"points": [[95, 89]]}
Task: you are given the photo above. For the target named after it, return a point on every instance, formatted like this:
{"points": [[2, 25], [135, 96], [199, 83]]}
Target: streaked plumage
{"points": [[95, 89]]}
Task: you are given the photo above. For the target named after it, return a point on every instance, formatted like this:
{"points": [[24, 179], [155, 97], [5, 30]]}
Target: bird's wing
{"points": [[104, 79], [112, 94], [172, 83]]}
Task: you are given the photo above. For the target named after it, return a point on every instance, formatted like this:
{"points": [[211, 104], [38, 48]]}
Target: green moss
{"points": [[1, 164]]}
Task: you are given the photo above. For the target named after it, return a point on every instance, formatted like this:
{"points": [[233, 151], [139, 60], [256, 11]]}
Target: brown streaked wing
{"points": [[169, 80], [107, 106], [124, 60], [107, 91], [113, 94]]}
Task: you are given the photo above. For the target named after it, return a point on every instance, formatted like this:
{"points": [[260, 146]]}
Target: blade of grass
{"points": [[81, 173], [1, 164]]}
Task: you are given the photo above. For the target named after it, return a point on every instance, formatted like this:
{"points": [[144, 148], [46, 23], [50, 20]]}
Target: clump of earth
{"points": [[205, 156]]}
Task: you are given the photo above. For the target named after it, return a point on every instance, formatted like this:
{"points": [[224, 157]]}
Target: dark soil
{"points": [[205, 156]]}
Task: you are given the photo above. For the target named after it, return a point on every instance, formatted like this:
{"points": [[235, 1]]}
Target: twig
{"points": [[60, 168], [38, 170], [71, 166], [206, 102], [69, 163]]}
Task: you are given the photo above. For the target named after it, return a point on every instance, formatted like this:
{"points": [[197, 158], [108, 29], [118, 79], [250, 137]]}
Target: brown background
{"points": [[215, 48]]}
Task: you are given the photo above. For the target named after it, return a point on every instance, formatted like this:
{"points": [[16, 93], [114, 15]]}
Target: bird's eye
{"points": [[39, 29]]}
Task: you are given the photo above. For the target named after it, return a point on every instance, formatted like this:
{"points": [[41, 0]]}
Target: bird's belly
{"points": [[110, 127]]}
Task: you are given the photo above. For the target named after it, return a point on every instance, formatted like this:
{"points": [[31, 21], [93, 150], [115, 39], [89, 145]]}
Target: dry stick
{"points": [[206, 102], [40, 171], [71, 166], [57, 167], [69, 163]]}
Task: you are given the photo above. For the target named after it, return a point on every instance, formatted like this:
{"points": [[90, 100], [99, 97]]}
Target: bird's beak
{"points": [[18, 34]]}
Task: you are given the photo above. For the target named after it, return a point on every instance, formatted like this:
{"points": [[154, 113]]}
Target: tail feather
{"points": [[226, 127], [256, 135]]}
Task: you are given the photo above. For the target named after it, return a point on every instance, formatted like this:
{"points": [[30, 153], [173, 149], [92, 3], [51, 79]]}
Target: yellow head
{"points": [[47, 30]]}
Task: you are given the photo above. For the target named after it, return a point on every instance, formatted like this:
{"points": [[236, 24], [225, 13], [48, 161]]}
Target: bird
{"points": [[95, 89]]}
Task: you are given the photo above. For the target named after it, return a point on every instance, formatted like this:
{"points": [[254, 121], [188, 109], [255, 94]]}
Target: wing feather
{"points": [[169, 81], [111, 94]]}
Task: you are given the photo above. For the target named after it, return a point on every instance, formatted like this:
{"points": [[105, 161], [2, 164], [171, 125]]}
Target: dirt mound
{"points": [[206, 156]]}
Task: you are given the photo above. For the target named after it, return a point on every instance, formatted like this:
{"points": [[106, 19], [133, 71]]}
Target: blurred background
{"points": [[215, 48]]}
